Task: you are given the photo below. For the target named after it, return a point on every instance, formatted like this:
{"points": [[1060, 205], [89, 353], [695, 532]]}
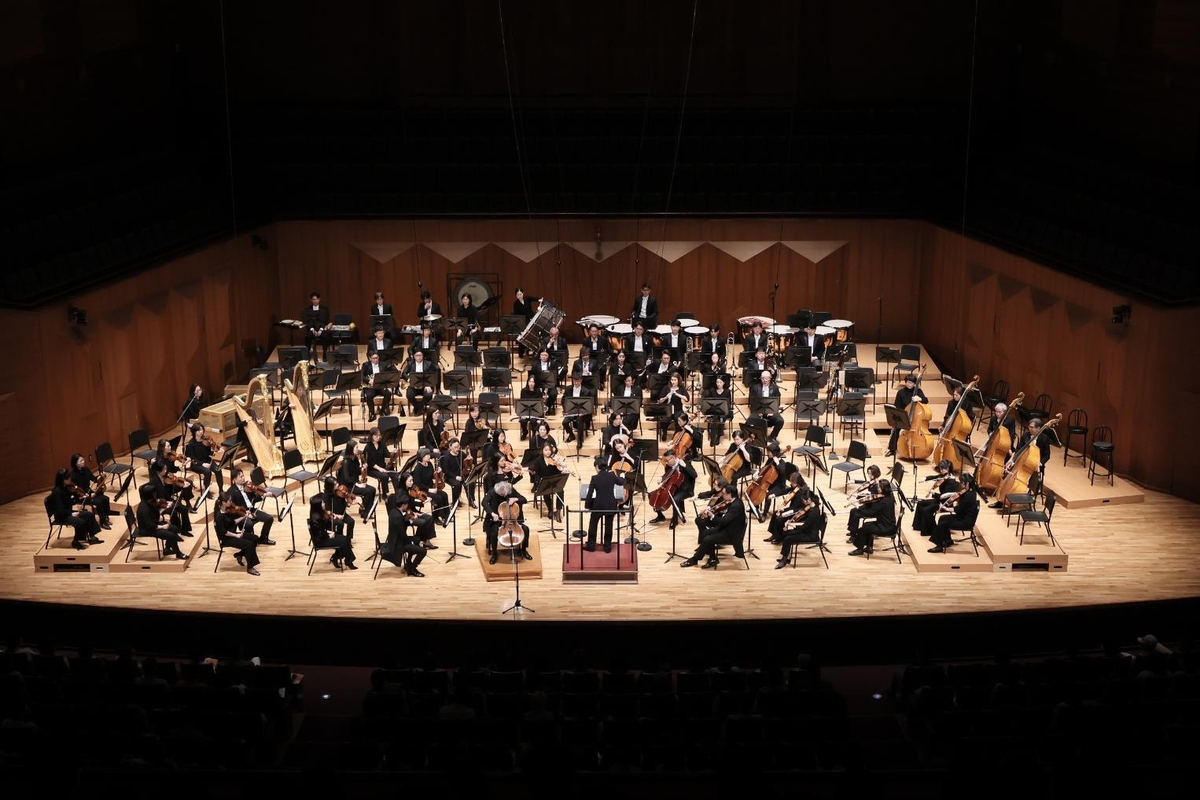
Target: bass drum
{"points": [[538, 331], [478, 289]]}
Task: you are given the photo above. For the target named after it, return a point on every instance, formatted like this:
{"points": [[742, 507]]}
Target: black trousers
{"points": [[246, 547], [710, 542], [598, 518]]}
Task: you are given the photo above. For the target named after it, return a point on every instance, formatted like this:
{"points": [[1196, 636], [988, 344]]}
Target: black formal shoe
{"points": [[94, 540], [253, 571], [349, 565], [335, 562], [471, 504], [591, 548], [525, 555], [241, 560], [430, 546], [659, 518], [266, 541], [691, 562], [770, 539], [937, 550], [180, 556], [858, 551], [710, 564], [608, 547], [492, 560], [889, 454], [997, 504], [923, 533], [570, 437], [188, 534], [781, 563], [416, 573], [79, 545], [106, 525]]}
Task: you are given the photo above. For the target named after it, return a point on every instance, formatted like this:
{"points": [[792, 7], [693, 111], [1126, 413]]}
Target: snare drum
{"points": [[697, 333], [538, 331], [784, 335], [746, 323], [617, 334], [844, 328]]}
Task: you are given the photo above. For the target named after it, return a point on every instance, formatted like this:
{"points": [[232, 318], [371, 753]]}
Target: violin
{"points": [[346, 493], [950, 502], [508, 459], [211, 443], [73, 489], [798, 517], [418, 494], [714, 506]]}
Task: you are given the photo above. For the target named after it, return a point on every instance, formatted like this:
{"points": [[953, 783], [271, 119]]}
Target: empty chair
{"points": [[1102, 453], [1042, 518], [140, 447], [857, 452], [814, 448], [293, 468], [852, 412], [107, 463], [999, 395], [1041, 407], [910, 360], [1077, 425]]}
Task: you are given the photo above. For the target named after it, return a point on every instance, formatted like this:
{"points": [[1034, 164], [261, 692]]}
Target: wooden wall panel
{"points": [[147, 339], [1045, 331]]}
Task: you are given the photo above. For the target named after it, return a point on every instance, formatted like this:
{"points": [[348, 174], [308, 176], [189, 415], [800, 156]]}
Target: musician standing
{"points": [[645, 308], [717, 422], [966, 511], [195, 402], [316, 325], [602, 502], [726, 526], [907, 394], [523, 307], [882, 508], [451, 464]]}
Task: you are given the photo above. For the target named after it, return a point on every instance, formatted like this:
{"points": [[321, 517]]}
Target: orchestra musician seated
{"points": [[963, 508], [723, 522], [576, 425], [60, 503], [402, 548], [880, 508], [503, 494]]}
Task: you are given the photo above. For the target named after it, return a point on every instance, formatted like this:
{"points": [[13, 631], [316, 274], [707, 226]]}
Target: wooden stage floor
{"points": [[1118, 553]]}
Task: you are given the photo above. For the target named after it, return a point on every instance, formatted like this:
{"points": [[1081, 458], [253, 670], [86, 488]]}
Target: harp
{"points": [[297, 389], [259, 416]]}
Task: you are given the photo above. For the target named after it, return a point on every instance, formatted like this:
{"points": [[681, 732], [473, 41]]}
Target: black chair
{"points": [[48, 503], [345, 355], [1077, 425], [140, 447], [897, 542], [820, 546], [489, 407], [131, 523], [1102, 454], [293, 468], [259, 478], [852, 412], [316, 548], [1041, 407], [857, 451], [910, 360], [219, 528], [999, 395], [1040, 517], [107, 463], [814, 448]]}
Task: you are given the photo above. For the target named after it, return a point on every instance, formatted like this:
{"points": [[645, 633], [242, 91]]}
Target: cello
{"points": [[660, 498], [730, 465], [760, 484], [510, 534], [916, 443], [680, 444], [1025, 462], [957, 430], [990, 471]]}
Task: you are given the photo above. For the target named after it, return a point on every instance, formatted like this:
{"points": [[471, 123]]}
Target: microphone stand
{"points": [[879, 331]]}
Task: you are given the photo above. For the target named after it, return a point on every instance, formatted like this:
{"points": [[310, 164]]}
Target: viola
{"points": [[419, 494]]}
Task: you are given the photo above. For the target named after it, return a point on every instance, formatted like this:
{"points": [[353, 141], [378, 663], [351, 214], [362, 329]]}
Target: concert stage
{"points": [[1118, 554]]}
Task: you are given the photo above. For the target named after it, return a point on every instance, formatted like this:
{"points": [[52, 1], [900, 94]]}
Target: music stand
{"points": [[715, 407], [526, 409], [420, 381], [384, 321], [764, 405], [394, 435], [548, 486], [467, 356], [578, 407], [208, 548], [887, 355], [286, 513], [445, 404], [513, 542], [497, 358], [512, 326], [655, 381], [796, 355], [656, 411], [323, 411], [966, 453], [627, 405], [710, 380], [696, 359]]}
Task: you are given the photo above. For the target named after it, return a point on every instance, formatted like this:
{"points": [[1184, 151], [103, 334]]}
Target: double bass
{"points": [[956, 430], [916, 443], [1025, 462], [760, 483], [990, 471]]}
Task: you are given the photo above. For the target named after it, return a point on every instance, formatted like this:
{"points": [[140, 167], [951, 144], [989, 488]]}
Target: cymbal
{"points": [[431, 318]]}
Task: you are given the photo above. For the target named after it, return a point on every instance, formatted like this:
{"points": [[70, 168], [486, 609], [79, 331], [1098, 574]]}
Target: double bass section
{"points": [[990, 470], [956, 430]]}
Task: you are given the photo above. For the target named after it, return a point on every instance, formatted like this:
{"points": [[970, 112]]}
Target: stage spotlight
{"points": [[258, 242], [77, 315], [1121, 314]]}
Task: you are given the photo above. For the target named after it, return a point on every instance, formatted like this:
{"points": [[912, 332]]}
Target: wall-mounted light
{"points": [[77, 315], [1121, 314], [258, 242]]}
